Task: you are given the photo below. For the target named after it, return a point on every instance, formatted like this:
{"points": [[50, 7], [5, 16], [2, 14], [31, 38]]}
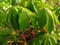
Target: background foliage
{"points": [[29, 22]]}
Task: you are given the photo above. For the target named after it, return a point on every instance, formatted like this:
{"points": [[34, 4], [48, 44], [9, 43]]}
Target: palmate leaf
{"points": [[38, 40], [53, 38], [23, 21], [45, 39]]}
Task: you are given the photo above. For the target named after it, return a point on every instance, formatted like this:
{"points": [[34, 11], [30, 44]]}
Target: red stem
{"points": [[10, 43], [23, 37]]}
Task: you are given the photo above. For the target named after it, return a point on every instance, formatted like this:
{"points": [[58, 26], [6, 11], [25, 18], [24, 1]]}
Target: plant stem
{"points": [[24, 39], [25, 43], [10, 43]]}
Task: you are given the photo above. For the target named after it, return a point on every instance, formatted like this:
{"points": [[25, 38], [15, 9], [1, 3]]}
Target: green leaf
{"points": [[26, 10], [59, 18], [38, 40], [14, 18], [2, 18], [57, 11], [12, 2], [37, 43], [3, 37], [49, 24], [34, 7], [34, 21], [54, 36], [46, 42], [51, 40], [50, 21], [23, 21], [55, 19], [30, 6], [41, 18]]}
